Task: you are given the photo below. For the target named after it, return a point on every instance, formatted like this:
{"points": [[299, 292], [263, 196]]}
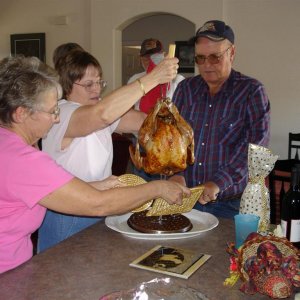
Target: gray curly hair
{"points": [[22, 80]]}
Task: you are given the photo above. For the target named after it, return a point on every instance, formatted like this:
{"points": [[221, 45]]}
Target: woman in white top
{"points": [[82, 142]]}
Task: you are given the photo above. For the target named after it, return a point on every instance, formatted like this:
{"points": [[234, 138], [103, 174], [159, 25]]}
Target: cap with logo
{"points": [[216, 31], [150, 46]]}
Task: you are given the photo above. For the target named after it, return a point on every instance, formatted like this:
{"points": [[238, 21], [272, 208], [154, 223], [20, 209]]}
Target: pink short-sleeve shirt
{"points": [[27, 175]]}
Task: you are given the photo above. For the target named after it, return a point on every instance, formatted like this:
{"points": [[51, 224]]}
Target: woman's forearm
{"points": [[118, 102], [79, 198]]}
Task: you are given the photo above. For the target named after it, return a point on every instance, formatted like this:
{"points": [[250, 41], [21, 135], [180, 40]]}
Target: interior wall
{"points": [[267, 39], [158, 26], [268, 43], [33, 16]]}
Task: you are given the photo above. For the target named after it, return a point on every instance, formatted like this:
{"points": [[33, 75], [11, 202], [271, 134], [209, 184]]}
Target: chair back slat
{"points": [[294, 143]]}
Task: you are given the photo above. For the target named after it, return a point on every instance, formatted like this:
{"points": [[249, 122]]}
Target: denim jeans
{"points": [[58, 227], [221, 209]]}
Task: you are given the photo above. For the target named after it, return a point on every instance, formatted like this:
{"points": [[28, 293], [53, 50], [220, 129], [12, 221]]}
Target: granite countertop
{"points": [[96, 261]]}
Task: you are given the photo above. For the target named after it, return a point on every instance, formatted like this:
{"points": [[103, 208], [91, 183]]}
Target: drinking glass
{"points": [[244, 225]]}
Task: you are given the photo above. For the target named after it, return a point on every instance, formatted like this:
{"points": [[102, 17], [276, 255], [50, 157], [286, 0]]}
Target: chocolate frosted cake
{"points": [[159, 224]]}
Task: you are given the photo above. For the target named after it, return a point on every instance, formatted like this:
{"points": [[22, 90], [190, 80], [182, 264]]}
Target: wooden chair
{"points": [[279, 183], [294, 143]]}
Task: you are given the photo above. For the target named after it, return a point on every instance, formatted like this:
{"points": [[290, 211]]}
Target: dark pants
{"points": [[222, 209], [144, 175]]}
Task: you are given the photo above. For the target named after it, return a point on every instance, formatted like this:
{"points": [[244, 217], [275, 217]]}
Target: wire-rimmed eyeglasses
{"points": [[55, 113], [212, 58], [90, 84]]}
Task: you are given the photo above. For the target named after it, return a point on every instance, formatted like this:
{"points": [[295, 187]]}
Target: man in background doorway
{"points": [[151, 54]]}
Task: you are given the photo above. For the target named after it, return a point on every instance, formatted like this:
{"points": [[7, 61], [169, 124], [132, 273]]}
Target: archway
{"points": [[168, 28]]}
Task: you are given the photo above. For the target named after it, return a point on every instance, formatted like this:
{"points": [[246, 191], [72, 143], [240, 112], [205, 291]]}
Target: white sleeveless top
{"points": [[88, 158]]}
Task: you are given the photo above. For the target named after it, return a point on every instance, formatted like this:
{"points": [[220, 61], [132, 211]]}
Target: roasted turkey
{"points": [[166, 139]]}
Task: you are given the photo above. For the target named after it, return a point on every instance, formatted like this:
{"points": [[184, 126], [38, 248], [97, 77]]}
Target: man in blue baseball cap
{"points": [[227, 110]]}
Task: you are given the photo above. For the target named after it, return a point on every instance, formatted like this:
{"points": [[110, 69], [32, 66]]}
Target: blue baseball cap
{"points": [[214, 30]]}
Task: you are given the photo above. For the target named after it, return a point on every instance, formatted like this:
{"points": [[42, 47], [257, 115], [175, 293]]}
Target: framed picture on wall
{"points": [[28, 44], [185, 52]]}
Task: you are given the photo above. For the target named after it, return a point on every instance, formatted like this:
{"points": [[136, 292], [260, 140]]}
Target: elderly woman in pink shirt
{"points": [[31, 182]]}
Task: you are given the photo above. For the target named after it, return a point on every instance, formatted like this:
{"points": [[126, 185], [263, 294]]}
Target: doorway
{"points": [[167, 28]]}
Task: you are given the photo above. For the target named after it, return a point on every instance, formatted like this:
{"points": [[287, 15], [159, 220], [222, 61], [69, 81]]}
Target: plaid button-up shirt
{"points": [[224, 125]]}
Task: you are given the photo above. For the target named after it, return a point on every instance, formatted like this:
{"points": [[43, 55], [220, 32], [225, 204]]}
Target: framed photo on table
{"points": [[28, 44], [171, 261], [185, 52]]}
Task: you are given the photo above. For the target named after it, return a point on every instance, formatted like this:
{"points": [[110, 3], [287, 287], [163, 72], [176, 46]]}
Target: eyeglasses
{"points": [[212, 58], [90, 84], [55, 112]]}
